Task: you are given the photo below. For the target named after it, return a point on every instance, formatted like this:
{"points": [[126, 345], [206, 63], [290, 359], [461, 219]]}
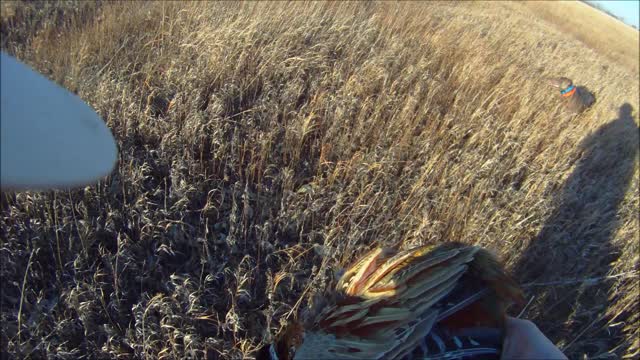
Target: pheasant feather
{"points": [[390, 304]]}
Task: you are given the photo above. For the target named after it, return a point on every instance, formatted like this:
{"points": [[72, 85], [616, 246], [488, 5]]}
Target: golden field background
{"points": [[264, 145], [604, 34]]}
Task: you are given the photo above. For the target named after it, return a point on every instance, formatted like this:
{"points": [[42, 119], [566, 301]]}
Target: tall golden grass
{"points": [[264, 145], [606, 35]]}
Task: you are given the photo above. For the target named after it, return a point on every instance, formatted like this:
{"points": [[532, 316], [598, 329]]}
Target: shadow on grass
{"points": [[575, 242]]}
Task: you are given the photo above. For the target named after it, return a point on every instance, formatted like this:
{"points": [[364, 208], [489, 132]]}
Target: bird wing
{"points": [[389, 299]]}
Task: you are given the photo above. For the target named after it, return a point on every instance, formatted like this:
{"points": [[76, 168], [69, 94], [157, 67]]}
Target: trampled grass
{"points": [[264, 145]]}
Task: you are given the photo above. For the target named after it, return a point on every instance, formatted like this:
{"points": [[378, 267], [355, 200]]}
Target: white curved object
{"points": [[49, 137]]}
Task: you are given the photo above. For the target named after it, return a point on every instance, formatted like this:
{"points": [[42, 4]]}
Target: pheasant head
{"points": [[445, 302]]}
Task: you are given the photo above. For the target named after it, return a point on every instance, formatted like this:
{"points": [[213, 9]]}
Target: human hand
{"points": [[524, 340]]}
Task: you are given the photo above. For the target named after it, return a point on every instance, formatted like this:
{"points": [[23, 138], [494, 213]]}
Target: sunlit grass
{"points": [[265, 145]]}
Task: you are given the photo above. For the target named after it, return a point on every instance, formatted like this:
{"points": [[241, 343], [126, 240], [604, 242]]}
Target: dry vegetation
{"points": [[608, 36], [263, 145]]}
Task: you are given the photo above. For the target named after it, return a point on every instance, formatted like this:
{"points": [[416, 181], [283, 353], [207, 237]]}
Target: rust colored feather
{"points": [[388, 300]]}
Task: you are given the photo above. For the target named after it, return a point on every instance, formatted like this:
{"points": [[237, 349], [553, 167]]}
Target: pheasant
{"points": [[435, 302]]}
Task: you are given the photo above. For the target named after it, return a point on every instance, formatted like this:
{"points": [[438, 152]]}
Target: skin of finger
{"points": [[525, 341]]}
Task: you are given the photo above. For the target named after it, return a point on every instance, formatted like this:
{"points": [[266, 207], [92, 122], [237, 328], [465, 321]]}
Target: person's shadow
{"points": [[575, 243]]}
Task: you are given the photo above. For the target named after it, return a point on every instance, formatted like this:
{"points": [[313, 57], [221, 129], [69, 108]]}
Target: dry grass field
{"points": [[264, 145], [606, 35]]}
